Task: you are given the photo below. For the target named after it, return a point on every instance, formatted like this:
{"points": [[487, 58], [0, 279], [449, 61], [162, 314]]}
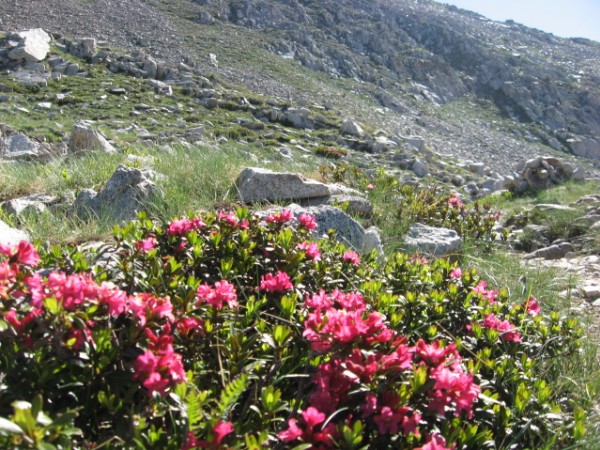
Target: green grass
{"points": [[192, 179]]}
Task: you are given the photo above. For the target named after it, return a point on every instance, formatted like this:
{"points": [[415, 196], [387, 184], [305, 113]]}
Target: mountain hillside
{"points": [[474, 88]]}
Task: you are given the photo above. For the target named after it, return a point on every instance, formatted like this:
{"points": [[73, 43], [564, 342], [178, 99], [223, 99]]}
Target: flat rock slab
{"points": [[263, 185], [552, 252], [432, 241]]}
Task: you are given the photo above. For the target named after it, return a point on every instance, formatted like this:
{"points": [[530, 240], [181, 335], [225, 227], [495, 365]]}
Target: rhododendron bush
{"points": [[232, 331]]}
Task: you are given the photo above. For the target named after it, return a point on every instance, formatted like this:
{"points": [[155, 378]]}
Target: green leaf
{"points": [[231, 393]]}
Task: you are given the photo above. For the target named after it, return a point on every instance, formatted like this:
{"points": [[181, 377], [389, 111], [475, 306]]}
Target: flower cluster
{"points": [[280, 282], [283, 216], [352, 257], [183, 226], [365, 352], [219, 431], [222, 292], [159, 367], [230, 218], [508, 332]]}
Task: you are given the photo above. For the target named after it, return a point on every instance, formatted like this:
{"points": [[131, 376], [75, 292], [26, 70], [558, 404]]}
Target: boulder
{"points": [[150, 67], [542, 172], [125, 194], [586, 147], [432, 241], [298, 118], [206, 19], [420, 168], [37, 203], [416, 142], [84, 137], [160, 87], [352, 128], [33, 45], [263, 185], [87, 48], [556, 251], [18, 146], [347, 230], [11, 236]]}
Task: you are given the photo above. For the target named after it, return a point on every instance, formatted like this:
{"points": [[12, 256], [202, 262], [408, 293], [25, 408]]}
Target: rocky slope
{"points": [[474, 88]]}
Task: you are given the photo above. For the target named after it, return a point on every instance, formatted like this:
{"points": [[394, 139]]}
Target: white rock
{"points": [[11, 236], [34, 45], [432, 241], [84, 137], [257, 184], [352, 128]]}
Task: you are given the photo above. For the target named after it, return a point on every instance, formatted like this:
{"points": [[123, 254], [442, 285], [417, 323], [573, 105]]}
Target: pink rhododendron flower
{"points": [[21, 325], [292, 433], [280, 282], [307, 221], [283, 216], [228, 217], [311, 250], [183, 226], [508, 331], [23, 253], [482, 290], [70, 290], [390, 420], [398, 360], [159, 369], [344, 327], [455, 201], [146, 308], [433, 355], [453, 387], [313, 417], [309, 431], [351, 257], [220, 430], [370, 187], [417, 258], [456, 273], [116, 299], [350, 301], [146, 245], [222, 292], [8, 277], [436, 442], [532, 306], [189, 325], [191, 441]]}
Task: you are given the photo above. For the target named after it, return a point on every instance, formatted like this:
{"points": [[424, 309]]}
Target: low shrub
{"points": [[397, 206], [228, 330]]}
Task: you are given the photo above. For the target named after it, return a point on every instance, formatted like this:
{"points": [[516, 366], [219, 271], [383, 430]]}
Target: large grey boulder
{"points": [[352, 128], [11, 236], [262, 185], [84, 137], [33, 45], [126, 193], [555, 251], [432, 241], [18, 146], [298, 118], [586, 147], [347, 230]]}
